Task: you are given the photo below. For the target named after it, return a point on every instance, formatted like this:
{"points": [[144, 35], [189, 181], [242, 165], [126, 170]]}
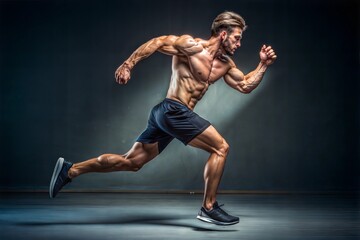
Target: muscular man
{"points": [[196, 64]]}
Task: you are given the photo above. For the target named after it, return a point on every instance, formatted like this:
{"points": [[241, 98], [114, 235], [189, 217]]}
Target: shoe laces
{"points": [[220, 209]]}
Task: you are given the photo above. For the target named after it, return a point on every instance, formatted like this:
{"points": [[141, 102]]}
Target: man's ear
{"points": [[223, 35]]}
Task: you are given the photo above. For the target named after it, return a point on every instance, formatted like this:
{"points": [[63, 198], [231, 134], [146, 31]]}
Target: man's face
{"points": [[231, 41]]}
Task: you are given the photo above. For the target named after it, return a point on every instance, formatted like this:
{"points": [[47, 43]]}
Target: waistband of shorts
{"points": [[172, 101]]}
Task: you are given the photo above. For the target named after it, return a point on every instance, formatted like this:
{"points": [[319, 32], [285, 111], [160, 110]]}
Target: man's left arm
{"points": [[246, 83]]}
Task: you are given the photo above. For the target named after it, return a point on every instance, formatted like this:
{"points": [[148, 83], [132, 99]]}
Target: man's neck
{"points": [[213, 47]]}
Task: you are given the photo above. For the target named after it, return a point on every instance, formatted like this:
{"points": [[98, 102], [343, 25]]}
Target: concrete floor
{"points": [[173, 216]]}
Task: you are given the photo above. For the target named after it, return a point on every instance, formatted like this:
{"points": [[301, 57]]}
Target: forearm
{"points": [[245, 84], [142, 52], [253, 79], [162, 44]]}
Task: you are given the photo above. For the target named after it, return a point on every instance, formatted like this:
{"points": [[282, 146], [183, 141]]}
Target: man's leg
{"points": [[133, 160], [210, 140]]}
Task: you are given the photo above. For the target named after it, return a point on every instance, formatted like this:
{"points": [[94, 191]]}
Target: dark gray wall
{"points": [[298, 131]]}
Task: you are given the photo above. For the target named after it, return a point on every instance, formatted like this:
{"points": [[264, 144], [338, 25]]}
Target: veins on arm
{"points": [[163, 44], [244, 83], [171, 45]]}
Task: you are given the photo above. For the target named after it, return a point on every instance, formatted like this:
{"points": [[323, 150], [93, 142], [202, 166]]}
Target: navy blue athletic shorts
{"points": [[171, 119]]}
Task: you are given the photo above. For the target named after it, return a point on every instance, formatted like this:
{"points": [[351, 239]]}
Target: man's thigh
{"points": [[209, 140], [141, 153]]}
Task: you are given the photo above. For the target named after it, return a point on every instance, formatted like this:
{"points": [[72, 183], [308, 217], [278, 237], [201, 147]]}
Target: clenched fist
{"points": [[122, 74], [267, 55]]}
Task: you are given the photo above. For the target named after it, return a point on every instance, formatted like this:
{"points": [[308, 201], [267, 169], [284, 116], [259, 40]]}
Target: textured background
{"points": [[298, 131]]}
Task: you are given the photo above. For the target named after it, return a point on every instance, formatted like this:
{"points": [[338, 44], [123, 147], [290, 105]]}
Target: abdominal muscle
{"points": [[189, 88], [184, 87], [187, 91]]}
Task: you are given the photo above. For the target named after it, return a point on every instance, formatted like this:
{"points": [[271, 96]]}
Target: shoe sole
{"points": [[57, 169], [210, 220]]}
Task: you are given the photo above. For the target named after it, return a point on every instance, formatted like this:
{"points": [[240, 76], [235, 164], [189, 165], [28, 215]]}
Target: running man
{"points": [[196, 64]]}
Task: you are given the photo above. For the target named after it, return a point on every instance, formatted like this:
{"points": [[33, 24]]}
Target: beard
{"points": [[226, 47], [229, 52]]}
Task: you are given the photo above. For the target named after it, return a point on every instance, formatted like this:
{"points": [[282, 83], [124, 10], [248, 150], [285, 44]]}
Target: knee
{"points": [[136, 166], [133, 165], [223, 148]]}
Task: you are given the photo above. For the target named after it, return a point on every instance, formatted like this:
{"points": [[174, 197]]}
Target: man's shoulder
{"points": [[191, 38], [189, 45], [201, 41]]}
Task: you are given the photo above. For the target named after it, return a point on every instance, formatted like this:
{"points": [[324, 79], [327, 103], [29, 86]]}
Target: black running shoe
{"points": [[60, 177], [217, 216]]}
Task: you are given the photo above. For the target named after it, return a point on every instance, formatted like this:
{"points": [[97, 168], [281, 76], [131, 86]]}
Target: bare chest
{"points": [[206, 69]]}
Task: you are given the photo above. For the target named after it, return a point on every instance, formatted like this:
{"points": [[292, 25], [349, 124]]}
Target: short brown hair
{"points": [[226, 21]]}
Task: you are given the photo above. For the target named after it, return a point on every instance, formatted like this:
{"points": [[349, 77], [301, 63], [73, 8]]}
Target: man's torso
{"points": [[192, 75]]}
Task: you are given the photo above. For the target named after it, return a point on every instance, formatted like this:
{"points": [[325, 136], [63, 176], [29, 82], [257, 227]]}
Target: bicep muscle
{"points": [[236, 79]]}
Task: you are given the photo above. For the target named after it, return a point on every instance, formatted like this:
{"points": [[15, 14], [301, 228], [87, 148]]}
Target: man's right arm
{"points": [[171, 45], [164, 44]]}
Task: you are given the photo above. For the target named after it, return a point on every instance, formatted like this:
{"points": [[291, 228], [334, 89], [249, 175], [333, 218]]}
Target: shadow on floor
{"points": [[140, 220]]}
